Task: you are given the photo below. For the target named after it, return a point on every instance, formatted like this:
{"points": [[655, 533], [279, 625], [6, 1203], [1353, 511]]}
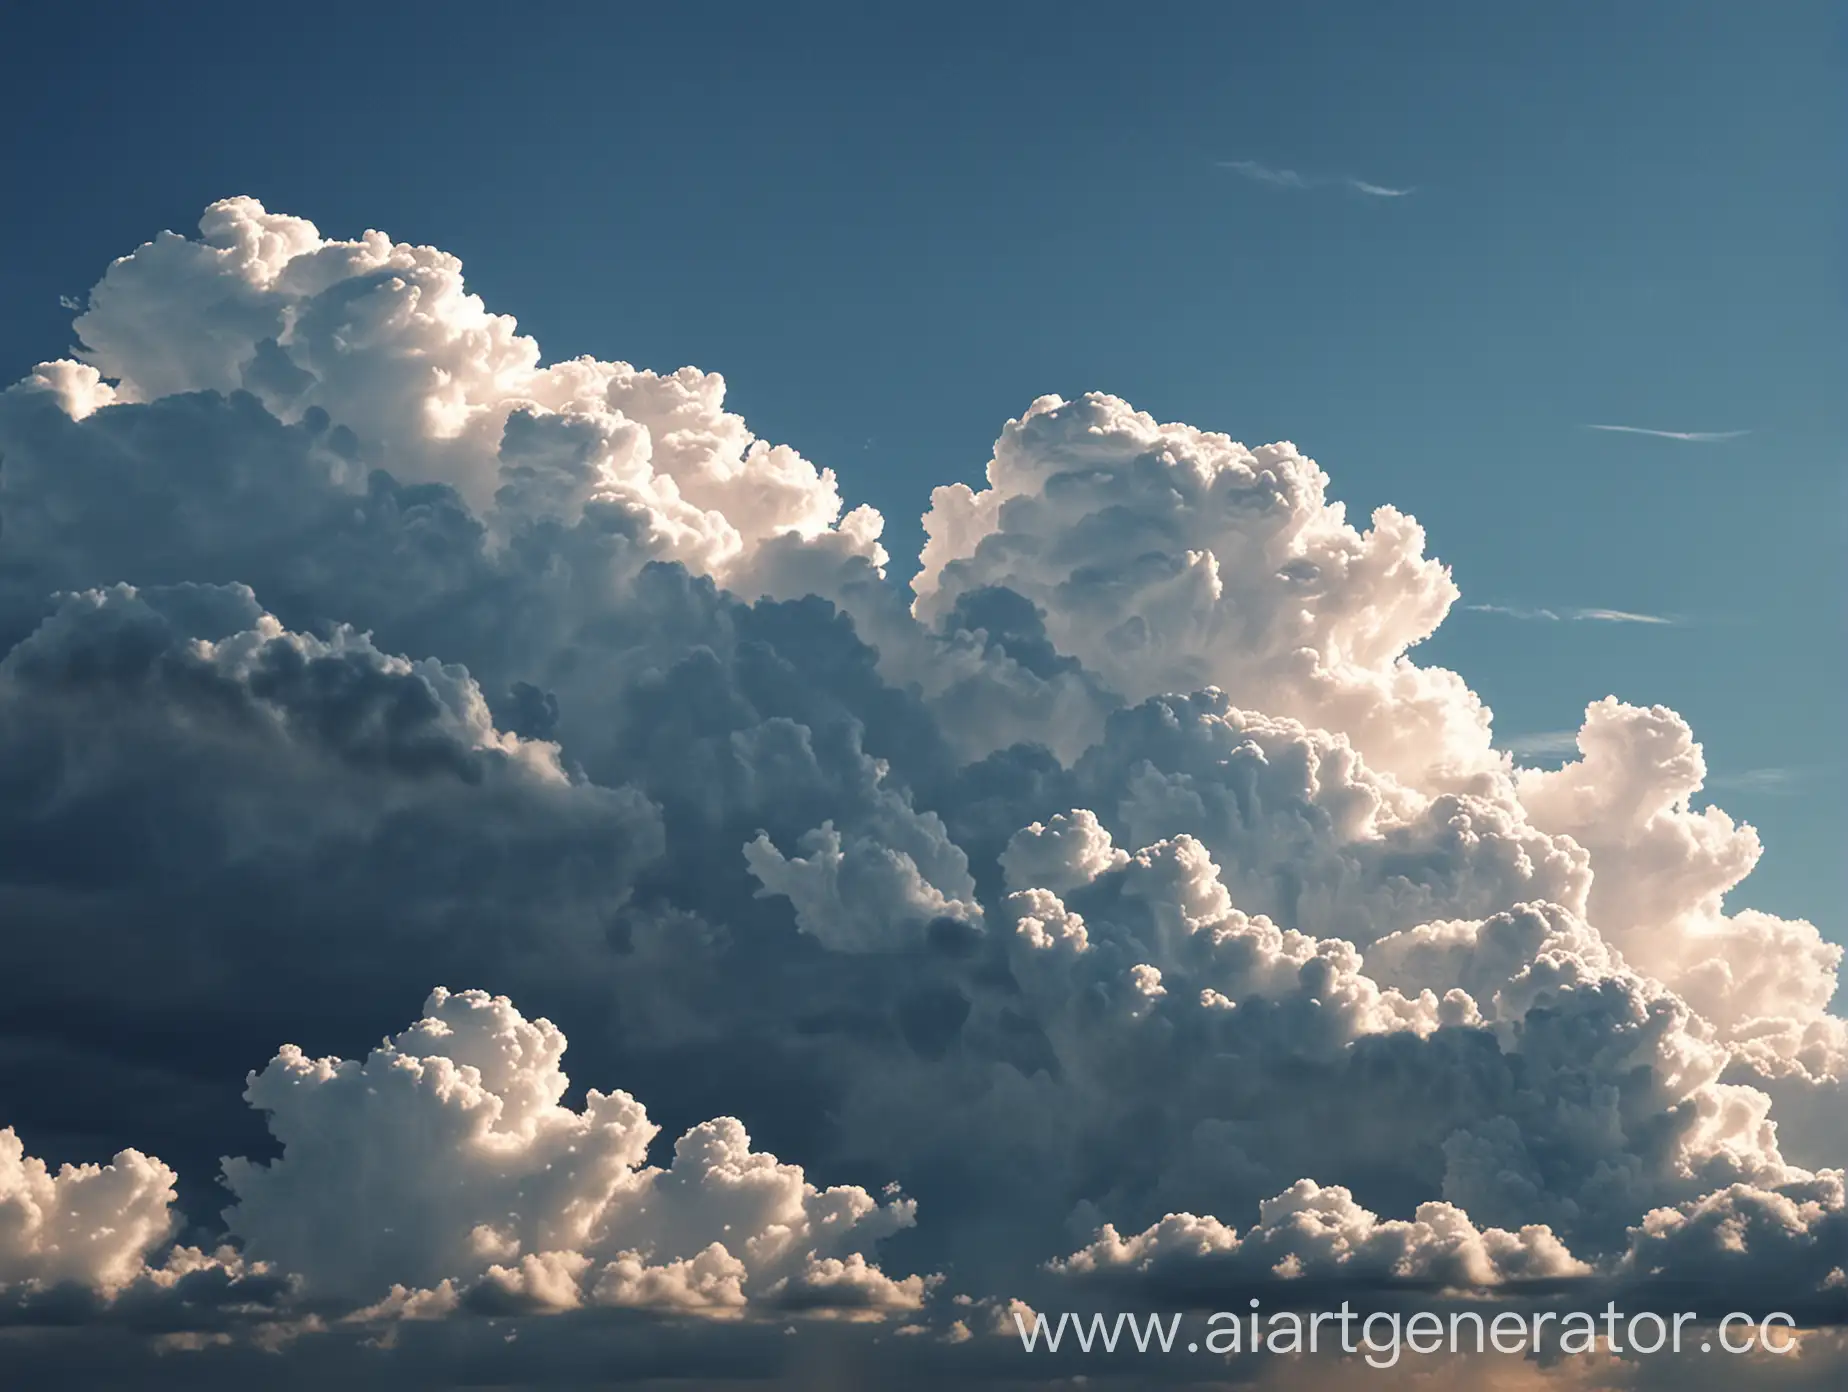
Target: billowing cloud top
{"points": [[1126, 898]]}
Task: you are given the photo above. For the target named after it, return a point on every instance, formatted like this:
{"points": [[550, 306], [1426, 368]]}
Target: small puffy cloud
{"points": [[446, 1160], [871, 891], [90, 1224], [1063, 853], [1320, 1232]]}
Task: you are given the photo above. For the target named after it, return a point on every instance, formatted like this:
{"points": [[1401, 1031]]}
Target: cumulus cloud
{"points": [[876, 889], [1316, 1232], [1129, 878], [383, 338], [1742, 1238], [1167, 559], [89, 1224], [445, 1160], [208, 816], [1664, 869]]}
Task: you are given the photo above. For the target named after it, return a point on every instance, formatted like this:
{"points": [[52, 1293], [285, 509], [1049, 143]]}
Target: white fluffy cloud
{"points": [[1312, 1231], [1663, 870], [446, 1156], [1168, 559], [92, 1224], [383, 338]]}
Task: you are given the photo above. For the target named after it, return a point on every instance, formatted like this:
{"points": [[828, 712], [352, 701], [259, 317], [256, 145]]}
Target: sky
{"points": [[939, 867]]}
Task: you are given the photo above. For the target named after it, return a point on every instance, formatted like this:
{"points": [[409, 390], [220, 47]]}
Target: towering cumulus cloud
{"points": [[1125, 900]]}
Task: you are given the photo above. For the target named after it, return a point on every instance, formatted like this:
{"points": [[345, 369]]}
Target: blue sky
{"points": [[891, 233]]}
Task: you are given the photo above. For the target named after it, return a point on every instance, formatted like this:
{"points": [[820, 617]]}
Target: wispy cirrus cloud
{"points": [[1699, 437], [1758, 780], [1615, 616], [1512, 611], [1541, 744], [1260, 173]]}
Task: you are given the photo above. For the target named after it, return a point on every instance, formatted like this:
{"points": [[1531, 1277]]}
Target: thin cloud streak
{"points": [[1542, 744], [1758, 780], [1616, 616], [1290, 179], [1509, 611], [1264, 174], [1700, 437]]}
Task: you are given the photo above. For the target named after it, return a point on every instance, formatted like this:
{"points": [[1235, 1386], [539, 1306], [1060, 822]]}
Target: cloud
{"points": [[1542, 743], [200, 804], [1316, 1232], [1617, 616], [1691, 436], [445, 1162], [1760, 780], [1130, 878], [383, 339], [1167, 559], [1569, 615], [1666, 868], [1745, 1236], [92, 1224], [1290, 179]]}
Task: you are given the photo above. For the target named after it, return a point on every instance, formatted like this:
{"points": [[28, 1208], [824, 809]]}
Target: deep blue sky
{"points": [[892, 232]]}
